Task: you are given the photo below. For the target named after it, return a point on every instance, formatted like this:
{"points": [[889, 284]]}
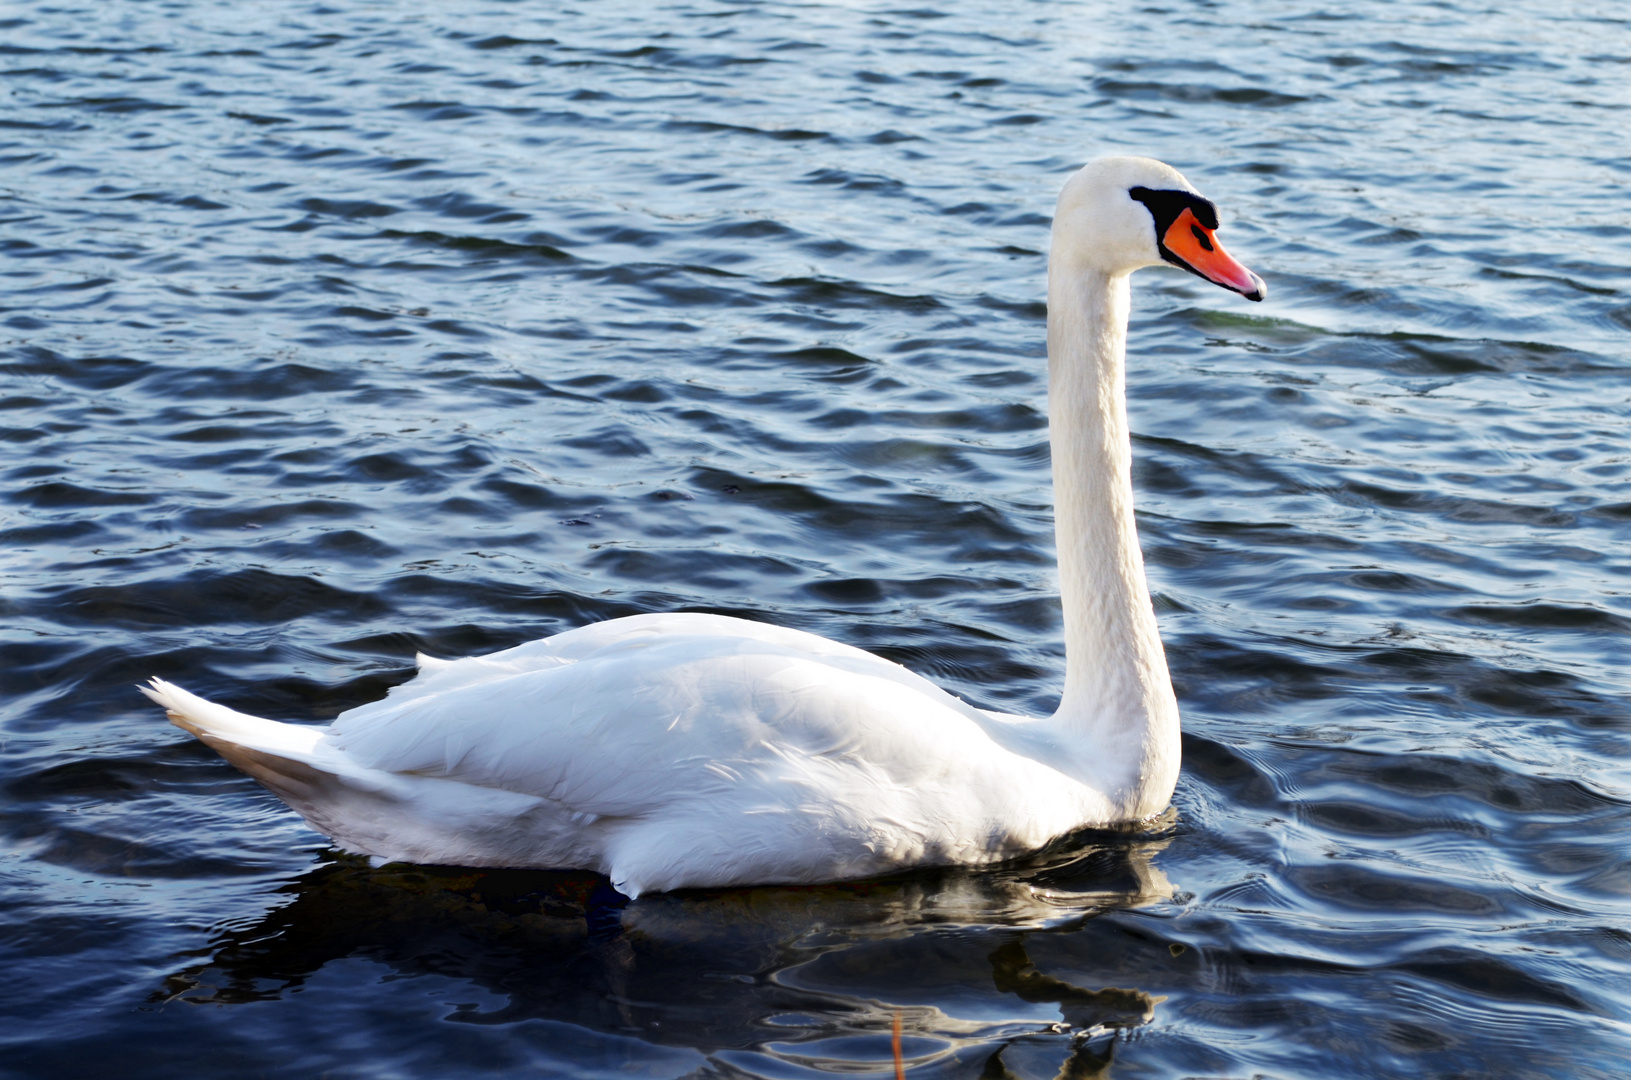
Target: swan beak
{"points": [[1193, 246]]}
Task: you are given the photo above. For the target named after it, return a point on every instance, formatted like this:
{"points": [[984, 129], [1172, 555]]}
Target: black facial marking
{"points": [[1200, 235], [1165, 206]]}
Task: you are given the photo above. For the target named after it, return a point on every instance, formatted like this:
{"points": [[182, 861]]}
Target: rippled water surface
{"points": [[332, 333]]}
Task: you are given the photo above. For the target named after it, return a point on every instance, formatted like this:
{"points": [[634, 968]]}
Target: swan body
{"points": [[686, 750]]}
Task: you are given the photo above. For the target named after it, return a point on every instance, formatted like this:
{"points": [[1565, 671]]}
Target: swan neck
{"points": [[1118, 706]]}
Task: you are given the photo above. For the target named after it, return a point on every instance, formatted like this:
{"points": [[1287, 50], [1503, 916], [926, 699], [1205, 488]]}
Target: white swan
{"points": [[673, 751]]}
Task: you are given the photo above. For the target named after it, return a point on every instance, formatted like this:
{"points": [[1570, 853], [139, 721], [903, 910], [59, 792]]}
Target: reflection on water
{"points": [[790, 972]]}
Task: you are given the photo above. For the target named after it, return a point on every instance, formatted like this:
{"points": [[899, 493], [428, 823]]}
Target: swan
{"points": [[671, 751]]}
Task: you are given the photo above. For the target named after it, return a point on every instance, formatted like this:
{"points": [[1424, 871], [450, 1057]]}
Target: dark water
{"points": [[335, 332]]}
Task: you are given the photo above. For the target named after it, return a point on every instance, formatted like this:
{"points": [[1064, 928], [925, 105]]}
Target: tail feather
{"points": [[319, 784], [390, 816], [218, 724]]}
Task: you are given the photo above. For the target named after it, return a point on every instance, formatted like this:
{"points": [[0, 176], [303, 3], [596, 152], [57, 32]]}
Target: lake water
{"points": [[329, 333]]}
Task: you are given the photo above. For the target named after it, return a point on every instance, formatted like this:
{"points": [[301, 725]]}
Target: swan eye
{"points": [[1200, 235], [1166, 207]]}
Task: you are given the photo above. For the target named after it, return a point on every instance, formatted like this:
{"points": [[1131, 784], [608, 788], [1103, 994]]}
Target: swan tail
{"points": [[339, 799], [216, 724], [386, 816]]}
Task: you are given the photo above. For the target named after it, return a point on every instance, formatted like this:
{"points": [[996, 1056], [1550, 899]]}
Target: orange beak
{"points": [[1194, 247]]}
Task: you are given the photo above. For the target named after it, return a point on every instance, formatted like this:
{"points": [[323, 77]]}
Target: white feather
{"points": [[681, 750]]}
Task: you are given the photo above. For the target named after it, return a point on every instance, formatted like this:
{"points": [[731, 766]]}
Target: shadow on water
{"points": [[812, 974]]}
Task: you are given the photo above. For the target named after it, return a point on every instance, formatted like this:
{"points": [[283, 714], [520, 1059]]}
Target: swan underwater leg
{"points": [[670, 751]]}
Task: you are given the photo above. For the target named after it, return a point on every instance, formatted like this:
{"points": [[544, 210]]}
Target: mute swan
{"points": [[680, 750]]}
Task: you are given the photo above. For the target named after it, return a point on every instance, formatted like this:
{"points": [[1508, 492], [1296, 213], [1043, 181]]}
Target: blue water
{"points": [[332, 333]]}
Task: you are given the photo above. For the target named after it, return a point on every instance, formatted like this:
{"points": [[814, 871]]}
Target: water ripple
{"points": [[343, 332]]}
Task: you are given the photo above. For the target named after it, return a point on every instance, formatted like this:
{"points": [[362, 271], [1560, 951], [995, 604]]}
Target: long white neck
{"points": [[1118, 720]]}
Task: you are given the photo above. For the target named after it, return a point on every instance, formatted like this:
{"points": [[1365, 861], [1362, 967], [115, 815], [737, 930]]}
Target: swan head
{"points": [[1118, 214]]}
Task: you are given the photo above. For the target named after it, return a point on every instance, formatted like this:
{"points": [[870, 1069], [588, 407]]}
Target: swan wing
{"points": [[628, 717]]}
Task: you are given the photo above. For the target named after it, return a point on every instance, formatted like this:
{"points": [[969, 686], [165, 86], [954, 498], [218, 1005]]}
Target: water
{"points": [[332, 333]]}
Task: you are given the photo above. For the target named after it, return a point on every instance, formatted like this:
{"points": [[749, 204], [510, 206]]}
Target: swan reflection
{"points": [[810, 975]]}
